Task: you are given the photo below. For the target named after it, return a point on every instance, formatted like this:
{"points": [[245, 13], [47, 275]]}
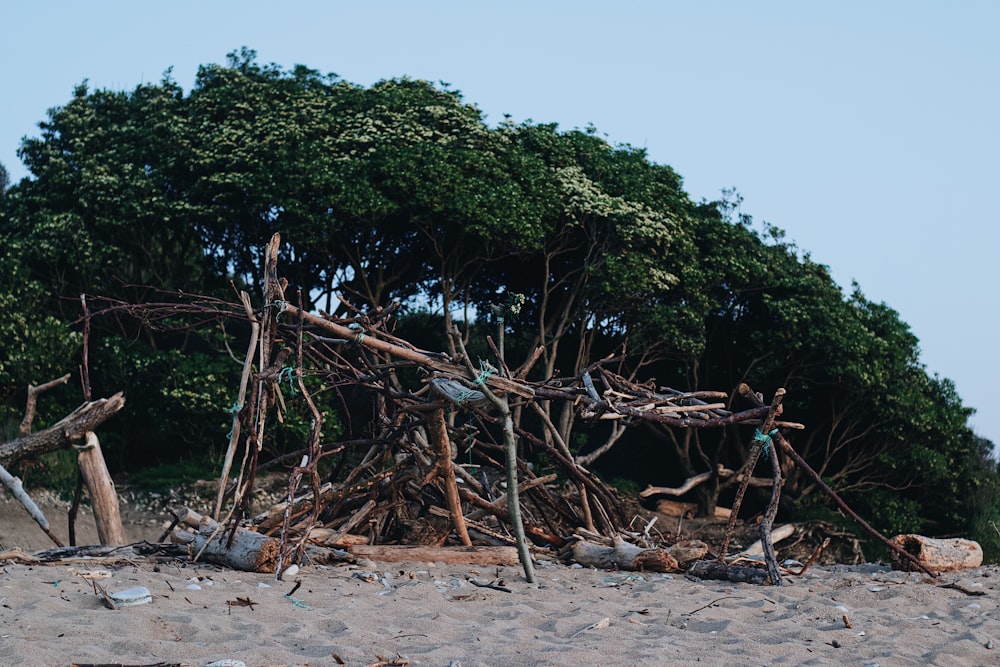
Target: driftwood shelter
{"points": [[439, 473]]}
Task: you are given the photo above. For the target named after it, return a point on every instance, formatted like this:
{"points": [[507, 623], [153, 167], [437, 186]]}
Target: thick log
{"points": [[622, 555], [103, 497], [937, 554], [391, 553], [437, 430], [249, 551], [676, 508], [710, 569], [69, 430], [687, 510]]}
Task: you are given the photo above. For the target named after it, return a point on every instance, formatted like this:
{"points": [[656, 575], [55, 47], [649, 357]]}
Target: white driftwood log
{"points": [[778, 534], [622, 555], [250, 551], [937, 554]]}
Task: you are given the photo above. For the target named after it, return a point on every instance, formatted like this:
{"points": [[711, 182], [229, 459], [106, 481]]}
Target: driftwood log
{"points": [[593, 550], [710, 569], [103, 496], [941, 555], [69, 430]]}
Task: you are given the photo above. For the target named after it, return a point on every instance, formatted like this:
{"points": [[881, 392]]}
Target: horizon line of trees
{"points": [[401, 192]]}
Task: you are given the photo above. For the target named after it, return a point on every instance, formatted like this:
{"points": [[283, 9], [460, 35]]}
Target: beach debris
{"points": [[497, 584], [710, 569], [240, 602], [958, 587], [601, 624], [593, 550], [103, 596], [942, 555], [91, 574], [131, 597], [226, 663]]}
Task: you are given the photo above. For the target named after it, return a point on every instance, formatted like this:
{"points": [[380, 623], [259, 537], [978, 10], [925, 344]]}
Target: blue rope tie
{"points": [[297, 603], [765, 440], [359, 337], [279, 307], [233, 411], [288, 372], [485, 371]]}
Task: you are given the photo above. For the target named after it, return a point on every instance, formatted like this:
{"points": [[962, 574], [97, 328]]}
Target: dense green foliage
{"points": [[401, 191]]}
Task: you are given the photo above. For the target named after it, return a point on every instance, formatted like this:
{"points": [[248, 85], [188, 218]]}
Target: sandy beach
{"points": [[436, 614]]}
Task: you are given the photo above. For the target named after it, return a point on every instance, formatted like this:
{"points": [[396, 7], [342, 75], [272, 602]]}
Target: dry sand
{"points": [[433, 614]]}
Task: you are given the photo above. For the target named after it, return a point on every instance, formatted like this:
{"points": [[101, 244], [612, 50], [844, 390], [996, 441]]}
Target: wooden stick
{"points": [[15, 486], [438, 432], [801, 462], [29, 407]]}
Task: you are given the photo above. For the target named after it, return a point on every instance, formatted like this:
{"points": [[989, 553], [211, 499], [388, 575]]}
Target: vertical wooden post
{"points": [[445, 469], [102, 492]]}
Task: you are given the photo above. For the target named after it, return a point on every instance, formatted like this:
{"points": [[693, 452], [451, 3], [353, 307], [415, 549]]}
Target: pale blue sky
{"points": [[869, 131]]}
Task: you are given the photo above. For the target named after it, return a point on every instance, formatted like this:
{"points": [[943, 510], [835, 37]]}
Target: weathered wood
{"points": [[676, 508], [688, 551], [701, 478], [710, 569], [780, 533], [941, 555], [70, 429], [438, 432], [392, 553], [16, 488], [372, 341], [103, 497], [622, 555], [249, 551], [786, 447], [30, 404]]}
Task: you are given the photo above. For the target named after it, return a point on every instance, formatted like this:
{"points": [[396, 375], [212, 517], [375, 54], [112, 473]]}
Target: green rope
{"points": [[279, 307], [765, 440], [288, 372], [233, 411], [359, 337], [485, 371], [297, 603]]}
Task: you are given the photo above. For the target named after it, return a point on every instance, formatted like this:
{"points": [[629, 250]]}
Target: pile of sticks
{"points": [[448, 449], [446, 445]]}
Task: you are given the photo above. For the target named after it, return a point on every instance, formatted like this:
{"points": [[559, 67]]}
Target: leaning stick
{"points": [[14, 484], [801, 462]]}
